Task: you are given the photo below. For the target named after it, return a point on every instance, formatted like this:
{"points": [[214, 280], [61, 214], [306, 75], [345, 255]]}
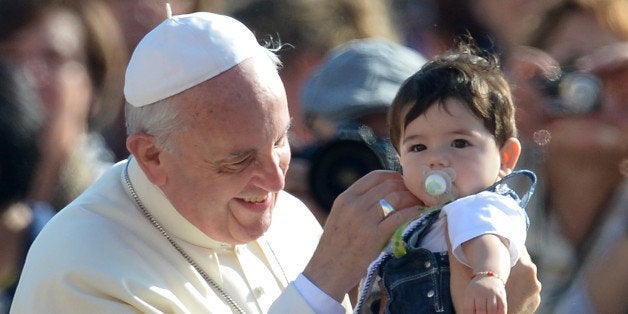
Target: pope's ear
{"points": [[148, 155], [509, 155]]}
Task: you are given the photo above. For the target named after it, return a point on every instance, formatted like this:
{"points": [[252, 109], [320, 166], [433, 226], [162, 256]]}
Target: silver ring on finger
{"points": [[387, 209]]}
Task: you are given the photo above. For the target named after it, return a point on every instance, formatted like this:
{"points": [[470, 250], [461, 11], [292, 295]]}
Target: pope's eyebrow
{"points": [[230, 159], [240, 156], [289, 126]]}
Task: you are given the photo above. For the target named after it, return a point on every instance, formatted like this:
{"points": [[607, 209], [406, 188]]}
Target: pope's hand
{"points": [[357, 229]]}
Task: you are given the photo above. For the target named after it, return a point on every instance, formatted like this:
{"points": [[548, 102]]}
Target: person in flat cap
{"points": [[357, 81], [196, 219]]}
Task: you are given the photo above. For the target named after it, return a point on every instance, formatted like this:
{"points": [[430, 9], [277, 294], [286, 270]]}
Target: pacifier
{"points": [[438, 183]]}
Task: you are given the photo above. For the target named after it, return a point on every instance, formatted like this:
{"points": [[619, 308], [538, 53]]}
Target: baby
{"points": [[452, 124]]}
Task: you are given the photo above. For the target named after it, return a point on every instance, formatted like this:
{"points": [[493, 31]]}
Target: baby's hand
{"points": [[485, 294]]}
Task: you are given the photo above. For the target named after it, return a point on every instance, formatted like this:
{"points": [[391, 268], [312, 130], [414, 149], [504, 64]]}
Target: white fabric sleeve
{"points": [[290, 301], [318, 300], [486, 213]]}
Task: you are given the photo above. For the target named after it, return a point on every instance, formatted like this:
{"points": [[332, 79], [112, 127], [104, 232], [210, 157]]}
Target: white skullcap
{"points": [[184, 51]]}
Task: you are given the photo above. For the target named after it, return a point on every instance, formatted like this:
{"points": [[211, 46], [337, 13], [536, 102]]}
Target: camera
{"points": [[353, 152], [571, 92]]}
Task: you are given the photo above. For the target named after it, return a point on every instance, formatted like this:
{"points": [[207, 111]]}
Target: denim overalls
{"points": [[419, 281]]}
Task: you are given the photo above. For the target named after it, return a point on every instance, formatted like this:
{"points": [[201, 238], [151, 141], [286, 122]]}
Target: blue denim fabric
{"points": [[419, 281]]}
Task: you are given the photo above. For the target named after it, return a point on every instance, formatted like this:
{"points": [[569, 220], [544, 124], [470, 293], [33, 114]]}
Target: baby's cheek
{"points": [[467, 188], [412, 185]]}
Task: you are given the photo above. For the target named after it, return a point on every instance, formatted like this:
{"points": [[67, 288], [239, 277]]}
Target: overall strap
{"points": [[511, 183], [421, 222]]}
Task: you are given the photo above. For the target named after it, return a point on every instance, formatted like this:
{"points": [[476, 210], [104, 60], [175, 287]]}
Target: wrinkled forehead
{"points": [[247, 94]]}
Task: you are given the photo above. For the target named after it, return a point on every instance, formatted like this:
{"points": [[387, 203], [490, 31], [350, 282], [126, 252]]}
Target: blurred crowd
{"points": [[62, 66]]}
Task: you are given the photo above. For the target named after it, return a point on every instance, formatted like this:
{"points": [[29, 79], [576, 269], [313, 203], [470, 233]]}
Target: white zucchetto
{"points": [[184, 51]]}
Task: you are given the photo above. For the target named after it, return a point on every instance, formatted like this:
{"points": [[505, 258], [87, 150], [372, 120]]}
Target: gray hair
{"points": [[160, 119], [163, 118]]}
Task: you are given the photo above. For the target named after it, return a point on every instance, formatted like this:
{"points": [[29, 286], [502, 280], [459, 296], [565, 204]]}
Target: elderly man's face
{"points": [[231, 160]]}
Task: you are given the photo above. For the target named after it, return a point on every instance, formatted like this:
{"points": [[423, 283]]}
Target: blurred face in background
{"points": [[587, 147], [585, 152], [597, 139], [589, 140], [51, 51]]}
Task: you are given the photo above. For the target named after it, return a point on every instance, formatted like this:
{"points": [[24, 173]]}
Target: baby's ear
{"points": [[509, 154]]}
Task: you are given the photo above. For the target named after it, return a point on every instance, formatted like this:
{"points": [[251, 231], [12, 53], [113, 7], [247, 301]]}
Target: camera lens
{"points": [[579, 92], [570, 92], [338, 164]]}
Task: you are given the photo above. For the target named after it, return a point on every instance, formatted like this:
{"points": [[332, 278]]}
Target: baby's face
{"points": [[449, 137]]}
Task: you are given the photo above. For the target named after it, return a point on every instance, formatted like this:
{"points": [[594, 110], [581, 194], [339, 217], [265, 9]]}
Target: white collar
{"points": [[164, 212]]}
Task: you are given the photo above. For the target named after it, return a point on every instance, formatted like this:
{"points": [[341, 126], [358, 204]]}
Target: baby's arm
{"points": [[490, 261], [487, 233]]}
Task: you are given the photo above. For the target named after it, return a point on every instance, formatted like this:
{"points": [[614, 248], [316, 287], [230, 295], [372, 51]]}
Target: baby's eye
{"points": [[417, 148], [460, 143]]}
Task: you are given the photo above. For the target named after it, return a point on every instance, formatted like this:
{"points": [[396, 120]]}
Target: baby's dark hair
{"points": [[466, 74]]}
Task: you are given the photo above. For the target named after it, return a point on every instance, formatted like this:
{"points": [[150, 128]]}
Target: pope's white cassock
{"points": [[102, 255]]}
